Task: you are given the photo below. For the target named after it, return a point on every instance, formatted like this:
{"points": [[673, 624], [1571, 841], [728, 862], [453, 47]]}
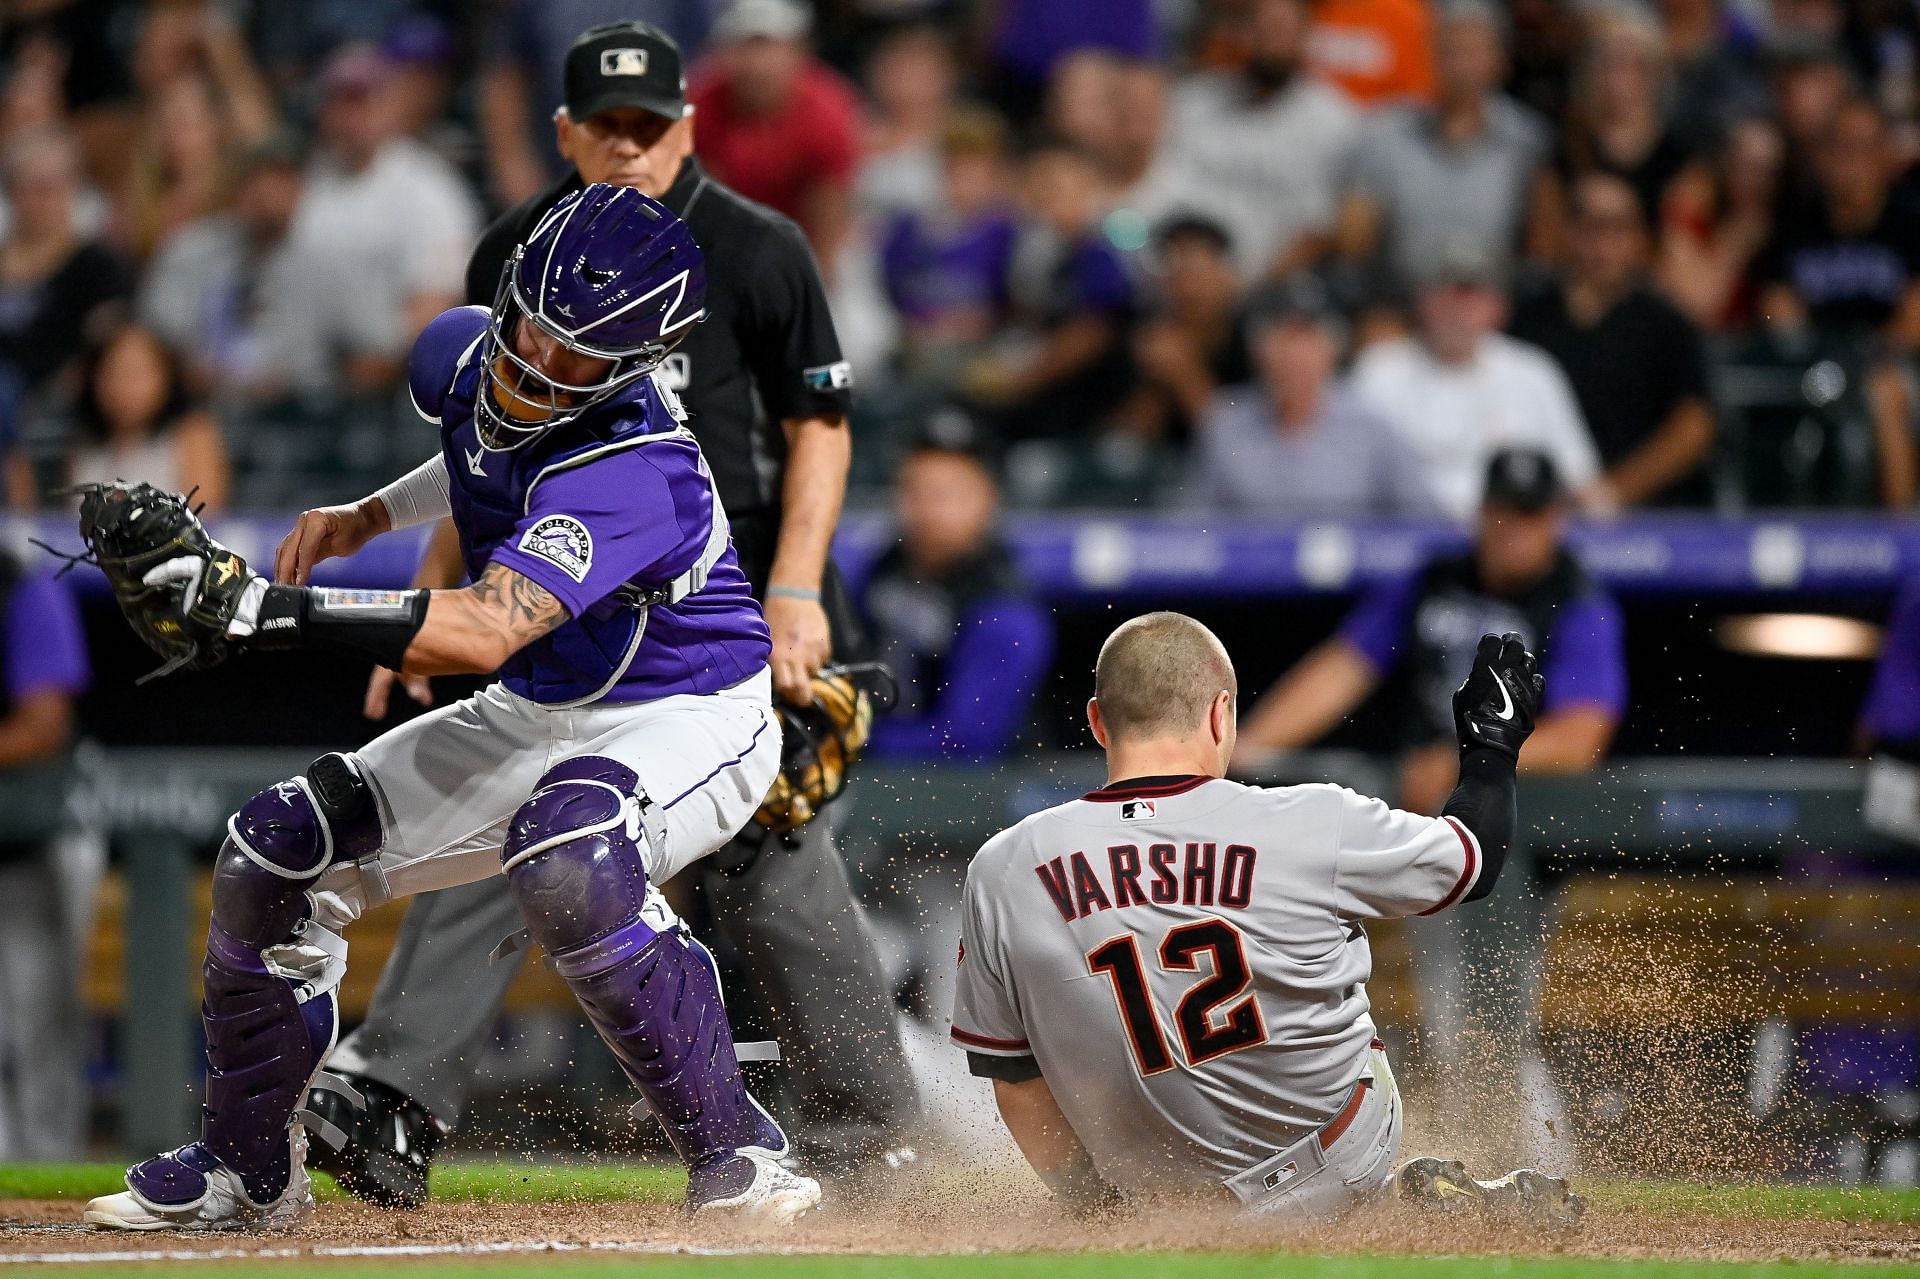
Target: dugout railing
{"points": [[163, 809]]}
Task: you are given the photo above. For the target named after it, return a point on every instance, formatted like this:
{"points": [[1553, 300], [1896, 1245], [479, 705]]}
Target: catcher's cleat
{"points": [[752, 1189], [1524, 1197], [387, 1141], [190, 1189]]}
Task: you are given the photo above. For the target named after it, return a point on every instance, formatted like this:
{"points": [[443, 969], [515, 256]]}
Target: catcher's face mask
{"points": [[820, 741]]}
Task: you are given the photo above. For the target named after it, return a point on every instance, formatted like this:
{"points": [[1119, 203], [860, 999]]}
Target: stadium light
{"points": [[1823, 636]]}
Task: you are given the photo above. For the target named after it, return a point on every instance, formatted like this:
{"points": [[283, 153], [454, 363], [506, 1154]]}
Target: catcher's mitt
{"points": [[133, 529], [821, 740]]}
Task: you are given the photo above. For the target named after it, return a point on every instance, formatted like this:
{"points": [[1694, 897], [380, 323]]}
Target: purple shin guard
{"points": [[575, 858], [269, 977]]}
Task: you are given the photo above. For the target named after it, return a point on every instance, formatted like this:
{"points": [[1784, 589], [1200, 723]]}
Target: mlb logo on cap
{"points": [[1136, 810], [623, 62]]}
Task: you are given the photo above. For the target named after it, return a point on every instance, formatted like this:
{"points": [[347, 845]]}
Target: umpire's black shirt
{"points": [[765, 353]]}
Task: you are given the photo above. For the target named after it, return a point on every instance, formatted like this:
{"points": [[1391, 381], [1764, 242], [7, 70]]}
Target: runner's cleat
{"points": [[752, 1189], [190, 1189], [1524, 1197]]}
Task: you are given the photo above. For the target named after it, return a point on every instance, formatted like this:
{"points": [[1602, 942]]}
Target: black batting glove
{"points": [[1496, 706]]}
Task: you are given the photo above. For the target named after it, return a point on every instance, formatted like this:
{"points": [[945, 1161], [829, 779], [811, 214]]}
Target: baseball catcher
{"points": [[629, 733]]}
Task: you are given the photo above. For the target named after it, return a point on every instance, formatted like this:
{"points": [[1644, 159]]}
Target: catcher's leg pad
{"points": [[576, 857], [269, 980]]}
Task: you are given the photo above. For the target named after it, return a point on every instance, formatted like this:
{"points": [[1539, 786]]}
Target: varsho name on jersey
{"points": [[1203, 876]]}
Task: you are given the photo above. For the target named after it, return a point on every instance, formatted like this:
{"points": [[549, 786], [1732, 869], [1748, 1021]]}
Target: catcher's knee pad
{"points": [[282, 840], [271, 970], [576, 855]]}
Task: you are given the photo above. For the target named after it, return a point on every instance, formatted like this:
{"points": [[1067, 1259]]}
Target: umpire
{"points": [[767, 394]]}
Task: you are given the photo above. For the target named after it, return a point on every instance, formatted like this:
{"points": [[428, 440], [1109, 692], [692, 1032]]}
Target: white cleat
{"points": [[188, 1189], [753, 1190]]}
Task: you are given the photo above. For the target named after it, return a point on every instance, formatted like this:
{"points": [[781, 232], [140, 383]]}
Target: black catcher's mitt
{"points": [[820, 741], [131, 530]]}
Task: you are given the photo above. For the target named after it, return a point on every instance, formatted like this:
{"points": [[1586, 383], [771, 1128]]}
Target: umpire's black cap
{"points": [[1522, 480], [625, 64]]}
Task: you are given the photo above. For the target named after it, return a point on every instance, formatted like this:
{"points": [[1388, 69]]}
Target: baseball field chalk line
{"points": [[391, 1250]]}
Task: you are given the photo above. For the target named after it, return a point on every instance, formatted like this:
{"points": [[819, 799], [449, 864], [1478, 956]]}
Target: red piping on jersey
{"points": [[1146, 788], [967, 1039], [1466, 875]]}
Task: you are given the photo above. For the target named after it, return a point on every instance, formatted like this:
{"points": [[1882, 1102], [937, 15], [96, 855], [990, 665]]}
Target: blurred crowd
{"points": [[1289, 258]]}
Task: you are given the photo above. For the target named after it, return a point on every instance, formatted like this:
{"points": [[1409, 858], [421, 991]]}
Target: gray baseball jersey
{"points": [[1183, 959]]}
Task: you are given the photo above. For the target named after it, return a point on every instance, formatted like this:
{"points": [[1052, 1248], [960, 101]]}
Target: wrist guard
{"points": [[378, 626]]}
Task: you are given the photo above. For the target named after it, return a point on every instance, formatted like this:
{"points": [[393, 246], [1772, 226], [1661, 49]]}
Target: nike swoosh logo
{"points": [[1506, 700], [473, 462]]}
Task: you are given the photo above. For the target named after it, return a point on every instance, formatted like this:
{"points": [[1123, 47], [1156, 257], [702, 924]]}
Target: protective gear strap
{"points": [[1483, 802], [377, 626], [419, 496]]}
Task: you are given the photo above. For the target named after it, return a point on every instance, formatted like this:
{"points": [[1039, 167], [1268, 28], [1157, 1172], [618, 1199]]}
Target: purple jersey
{"points": [[615, 514]]}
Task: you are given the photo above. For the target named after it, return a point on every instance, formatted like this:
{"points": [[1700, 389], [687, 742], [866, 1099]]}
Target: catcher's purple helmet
{"points": [[609, 274]]}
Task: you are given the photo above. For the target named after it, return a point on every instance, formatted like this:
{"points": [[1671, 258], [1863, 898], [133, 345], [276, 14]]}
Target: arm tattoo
{"points": [[514, 607]]}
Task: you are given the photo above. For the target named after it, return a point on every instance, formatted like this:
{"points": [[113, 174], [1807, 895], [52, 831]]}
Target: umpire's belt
{"points": [[1305, 1157]]}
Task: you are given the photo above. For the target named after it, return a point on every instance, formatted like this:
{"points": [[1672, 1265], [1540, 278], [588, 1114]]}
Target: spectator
{"points": [[43, 903], [1117, 111], [420, 50], [256, 316], [947, 267], [1848, 267], [1140, 94], [1637, 365], [1459, 390], [520, 83], [1082, 101], [1716, 77], [1808, 81], [56, 290], [1617, 124], [1030, 37], [911, 75], [1425, 179], [778, 125], [136, 419], [391, 219], [1261, 151], [68, 71], [201, 98], [1518, 576], [948, 611], [1717, 223], [1543, 41], [1297, 444], [1376, 51], [1063, 364], [1194, 343]]}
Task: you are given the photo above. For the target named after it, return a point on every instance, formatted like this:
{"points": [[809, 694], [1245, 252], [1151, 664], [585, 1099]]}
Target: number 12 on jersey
{"points": [[1206, 1029]]}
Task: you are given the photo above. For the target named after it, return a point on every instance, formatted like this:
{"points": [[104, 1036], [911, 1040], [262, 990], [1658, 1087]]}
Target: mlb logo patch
{"points": [[837, 376], [623, 62], [561, 540], [1136, 810], [1280, 1174]]}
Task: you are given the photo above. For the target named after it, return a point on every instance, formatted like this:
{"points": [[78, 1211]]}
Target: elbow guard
{"points": [[377, 626]]}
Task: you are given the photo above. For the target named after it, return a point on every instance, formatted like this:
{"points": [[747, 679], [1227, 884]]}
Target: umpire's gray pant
{"points": [[791, 920]]}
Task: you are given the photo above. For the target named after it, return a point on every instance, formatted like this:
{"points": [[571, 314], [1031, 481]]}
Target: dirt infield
{"points": [[978, 1219]]}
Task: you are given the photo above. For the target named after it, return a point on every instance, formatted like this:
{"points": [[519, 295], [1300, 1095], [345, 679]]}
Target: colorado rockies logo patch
{"points": [[562, 540]]}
